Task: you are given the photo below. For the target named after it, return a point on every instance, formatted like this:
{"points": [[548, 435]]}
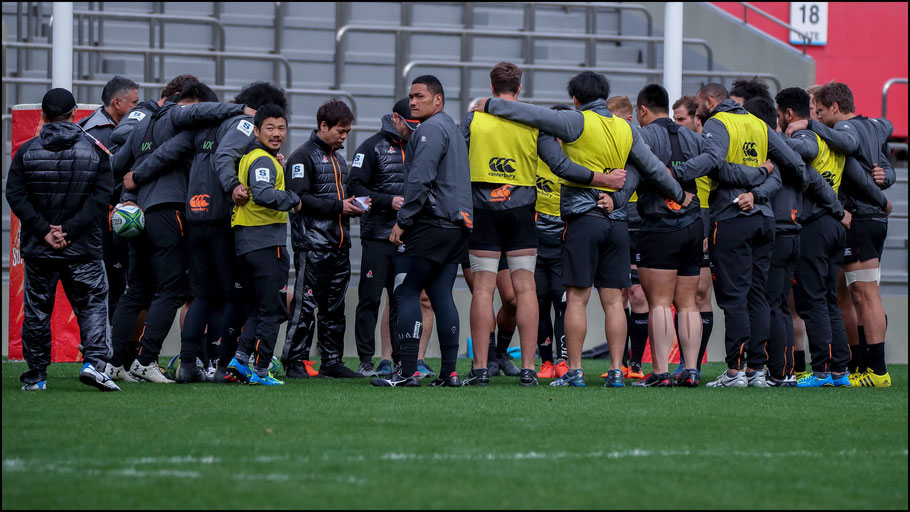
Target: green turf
{"points": [[342, 444]]}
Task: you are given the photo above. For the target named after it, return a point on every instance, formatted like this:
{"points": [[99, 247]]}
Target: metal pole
{"points": [[673, 34], [62, 72]]}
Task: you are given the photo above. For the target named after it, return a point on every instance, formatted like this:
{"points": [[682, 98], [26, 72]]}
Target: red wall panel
{"points": [[867, 45]]}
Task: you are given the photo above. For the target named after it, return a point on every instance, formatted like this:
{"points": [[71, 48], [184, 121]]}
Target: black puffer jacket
{"points": [[378, 172], [319, 175], [61, 177]]}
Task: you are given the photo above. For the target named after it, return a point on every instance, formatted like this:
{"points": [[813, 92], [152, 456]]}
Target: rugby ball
{"points": [[127, 221]]}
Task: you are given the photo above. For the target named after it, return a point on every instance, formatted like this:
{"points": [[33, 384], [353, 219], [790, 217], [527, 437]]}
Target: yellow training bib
{"points": [[547, 190], [251, 214], [829, 164], [604, 145], [502, 151]]}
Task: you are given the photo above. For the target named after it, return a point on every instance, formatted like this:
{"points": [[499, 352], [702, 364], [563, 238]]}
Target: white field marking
{"points": [[270, 476], [632, 453], [174, 460]]}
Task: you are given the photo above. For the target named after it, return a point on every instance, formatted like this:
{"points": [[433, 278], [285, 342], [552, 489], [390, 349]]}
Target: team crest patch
{"points": [[358, 160], [297, 171], [262, 174], [137, 115], [246, 127], [324, 159]]}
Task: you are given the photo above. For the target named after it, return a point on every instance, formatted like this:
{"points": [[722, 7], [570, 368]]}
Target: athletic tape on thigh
{"points": [[484, 264], [522, 263], [866, 275]]}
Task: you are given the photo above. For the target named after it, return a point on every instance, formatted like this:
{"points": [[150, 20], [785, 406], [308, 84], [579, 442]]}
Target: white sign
{"points": [[810, 18]]}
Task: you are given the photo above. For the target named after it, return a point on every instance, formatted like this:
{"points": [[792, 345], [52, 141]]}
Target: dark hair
{"points": [[505, 77], [177, 84], [334, 113], [588, 86], [795, 99], [748, 89], [764, 109], [560, 106], [655, 98], [197, 91], [266, 111], [714, 90], [433, 85], [835, 92], [57, 119], [115, 86], [258, 94], [688, 102]]}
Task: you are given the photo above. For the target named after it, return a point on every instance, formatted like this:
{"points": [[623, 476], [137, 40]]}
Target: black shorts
{"points": [[633, 246], [504, 230], [596, 251], [548, 271], [865, 240], [679, 250], [214, 266], [442, 245], [706, 224]]}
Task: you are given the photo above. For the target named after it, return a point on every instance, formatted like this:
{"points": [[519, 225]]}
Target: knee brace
{"points": [[484, 264], [522, 263], [866, 275]]}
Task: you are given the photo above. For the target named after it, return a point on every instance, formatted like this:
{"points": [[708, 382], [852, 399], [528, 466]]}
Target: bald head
{"points": [[714, 90]]}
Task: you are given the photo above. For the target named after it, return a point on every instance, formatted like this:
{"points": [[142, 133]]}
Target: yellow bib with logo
{"points": [[748, 142], [502, 151], [829, 164], [547, 190], [604, 145], [251, 214]]}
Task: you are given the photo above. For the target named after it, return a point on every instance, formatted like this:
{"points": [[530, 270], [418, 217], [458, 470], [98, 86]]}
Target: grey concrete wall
{"points": [[895, 306]]}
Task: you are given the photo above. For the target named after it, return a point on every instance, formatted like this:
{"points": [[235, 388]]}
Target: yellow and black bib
{"points": [[704, 190], [547, 190], [829, 164], [251, 214], [502, 151], [748, 140], [604, 145]]}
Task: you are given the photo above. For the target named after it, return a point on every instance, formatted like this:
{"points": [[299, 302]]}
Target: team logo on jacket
{"points": [[199, 203], [297, 171], [501, 194], [309, 292], [324, 159], [358, 160], [137, 115], [370, 274], [391, 150]]}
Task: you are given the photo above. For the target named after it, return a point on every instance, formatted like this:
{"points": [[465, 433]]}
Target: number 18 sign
{"points": [[810, 18]]}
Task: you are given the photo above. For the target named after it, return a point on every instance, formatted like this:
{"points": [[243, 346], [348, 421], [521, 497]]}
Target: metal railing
{"points": [[153, 19], [400, 87], [888, 84], [148, 52], [749, 7], [575, 69]]}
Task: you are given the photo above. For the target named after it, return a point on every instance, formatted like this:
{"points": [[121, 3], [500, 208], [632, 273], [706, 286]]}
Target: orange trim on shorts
{"points": [[257, 352], [714, 241], [179, 222]]}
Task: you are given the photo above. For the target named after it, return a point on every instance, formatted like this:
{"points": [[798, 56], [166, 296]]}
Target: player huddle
{"points": [[775, 202]]}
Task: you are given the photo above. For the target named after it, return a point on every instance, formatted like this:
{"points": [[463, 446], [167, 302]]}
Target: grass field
{"points": [[339, 444]]}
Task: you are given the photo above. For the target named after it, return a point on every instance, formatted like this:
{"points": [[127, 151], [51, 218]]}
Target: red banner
{"points": [[26, 123]]}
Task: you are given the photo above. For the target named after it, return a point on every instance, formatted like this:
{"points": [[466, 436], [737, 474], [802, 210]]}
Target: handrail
{"points": [[594, 5], [128, 16], [747, 7], [161, 51], [340, 33], [290, 91], [575, 69], [888, 84]]}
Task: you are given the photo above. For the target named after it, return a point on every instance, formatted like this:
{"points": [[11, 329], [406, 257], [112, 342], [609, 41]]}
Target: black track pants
{"points": [[322, 282], [85, 284], [156, 280], [550, 294], [784, 258], [267, 273], [740, 250], [822, 244], [377, 273]]}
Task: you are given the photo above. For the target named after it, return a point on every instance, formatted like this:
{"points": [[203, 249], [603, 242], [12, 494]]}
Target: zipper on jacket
{"points": [[340, 191]]}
